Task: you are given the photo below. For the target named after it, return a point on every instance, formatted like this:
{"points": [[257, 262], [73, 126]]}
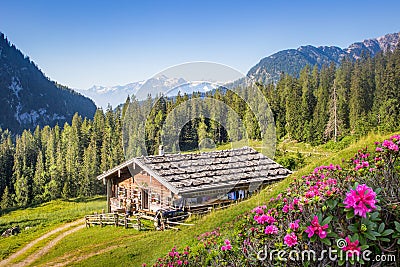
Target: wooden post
{"points": [[115, 219], [108, 185], [126, 221], [101, 221]]}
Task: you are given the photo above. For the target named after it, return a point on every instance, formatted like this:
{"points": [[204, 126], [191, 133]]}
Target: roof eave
{"points": [[172, 188]]}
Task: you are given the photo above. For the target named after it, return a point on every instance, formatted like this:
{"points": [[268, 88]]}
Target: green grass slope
{"points": [[37, 220]]}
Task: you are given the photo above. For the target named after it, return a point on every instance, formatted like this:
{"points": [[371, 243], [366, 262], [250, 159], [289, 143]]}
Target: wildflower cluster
{"points": [[227, 245], [357, 202], [316, 228], [174, 259], [362, 200]]}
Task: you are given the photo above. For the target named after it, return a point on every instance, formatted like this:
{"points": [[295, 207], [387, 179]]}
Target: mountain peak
{"points": [[291, 61]]}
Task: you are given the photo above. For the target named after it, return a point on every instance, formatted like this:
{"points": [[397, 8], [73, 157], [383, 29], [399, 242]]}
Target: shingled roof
{"points": [[208, 170]]}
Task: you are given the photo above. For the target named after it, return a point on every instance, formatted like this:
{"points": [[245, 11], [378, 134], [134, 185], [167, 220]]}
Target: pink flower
{"points": [[258, 210], [227, 245], [316, 228], [378, 149], [390, 145], [362, 200], [179, 262], [290, 239], [395, 138], [264, 219], [285, 209], [271, 229], [294, 225], [363, 164], [352, 247]]}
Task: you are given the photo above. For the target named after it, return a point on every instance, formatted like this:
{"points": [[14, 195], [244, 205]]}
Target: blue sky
{"points": [[87, 42]]}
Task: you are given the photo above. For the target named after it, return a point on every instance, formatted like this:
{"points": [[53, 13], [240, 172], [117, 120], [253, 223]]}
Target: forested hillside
{"points": [[334, 102], [52, 162], [319, 106], [28, 98]]}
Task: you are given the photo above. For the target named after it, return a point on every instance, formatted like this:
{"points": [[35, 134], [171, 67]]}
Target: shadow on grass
{"points": [[85, 199], [22, 224], [35, 205]]}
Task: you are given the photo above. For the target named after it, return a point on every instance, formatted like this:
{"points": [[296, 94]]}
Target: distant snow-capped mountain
{"points": [[116, 95], [113, 95]]}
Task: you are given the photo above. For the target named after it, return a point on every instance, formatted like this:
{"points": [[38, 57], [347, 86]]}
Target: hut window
{"points": [[121, 191], [155, 198]]}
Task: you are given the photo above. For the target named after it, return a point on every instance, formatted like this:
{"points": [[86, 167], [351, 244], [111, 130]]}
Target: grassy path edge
{"points": [[7, 261]]}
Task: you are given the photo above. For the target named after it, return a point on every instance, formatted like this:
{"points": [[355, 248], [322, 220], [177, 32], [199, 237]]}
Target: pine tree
{"points": [[6, 161], [89, 171], [294, 119], [39, 179], [6, 199], [24, 165], [125, 106], [361, 96], [343, 84], [203, 134], [308, 100], [334, 122], [321, 116]]}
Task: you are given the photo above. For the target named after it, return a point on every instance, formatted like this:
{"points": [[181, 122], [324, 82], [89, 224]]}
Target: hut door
{"points": [[145, 199]]}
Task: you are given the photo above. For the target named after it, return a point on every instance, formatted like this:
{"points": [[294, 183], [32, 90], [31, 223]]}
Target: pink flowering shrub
{"points": [[316, 228], [352, 247], [271, 230], [357, 202], [227, 245], [173, 259], [362, 200], [290, 239]]}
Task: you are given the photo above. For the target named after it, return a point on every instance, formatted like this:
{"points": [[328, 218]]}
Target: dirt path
{"points": [[308, 152], [37, 254], [83, 253], [82, 257]]}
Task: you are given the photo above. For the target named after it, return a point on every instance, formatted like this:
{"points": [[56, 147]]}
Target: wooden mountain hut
{"points": [[188, 181]]}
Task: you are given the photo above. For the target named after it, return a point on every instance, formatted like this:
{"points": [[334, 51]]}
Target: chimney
{"points": [[161, 150]]}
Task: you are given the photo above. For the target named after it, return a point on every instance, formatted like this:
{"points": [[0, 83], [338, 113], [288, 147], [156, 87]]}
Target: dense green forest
{"points": [[320, 105]]}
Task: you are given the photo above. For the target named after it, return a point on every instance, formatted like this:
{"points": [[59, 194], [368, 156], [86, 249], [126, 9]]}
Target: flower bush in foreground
{"points": [[316, 228], [362, 200], [357, 202]]}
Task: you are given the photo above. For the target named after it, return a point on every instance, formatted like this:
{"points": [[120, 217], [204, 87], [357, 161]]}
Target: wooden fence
{"points": [[116, 219], [134, 221]]}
